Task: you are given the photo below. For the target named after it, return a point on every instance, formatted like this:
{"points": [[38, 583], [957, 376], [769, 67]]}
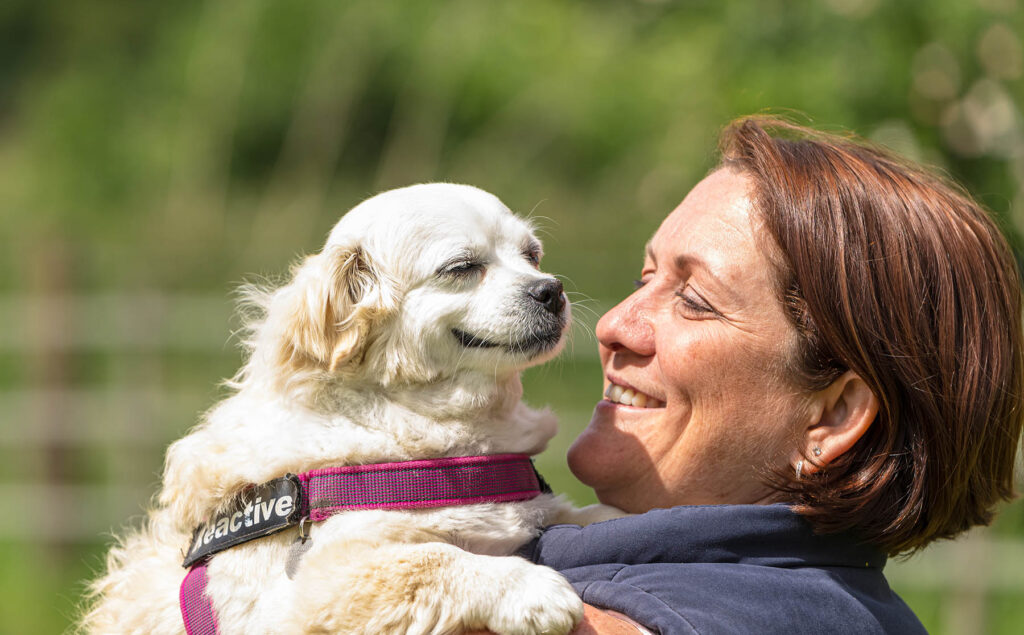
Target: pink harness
{"points": [[322, 493]]}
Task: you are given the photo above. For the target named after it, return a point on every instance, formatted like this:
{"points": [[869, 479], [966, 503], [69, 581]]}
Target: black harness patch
{"points": [[260, 511]]}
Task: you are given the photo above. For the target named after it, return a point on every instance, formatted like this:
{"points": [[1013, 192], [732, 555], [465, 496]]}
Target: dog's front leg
{"points": [[429, 587]]}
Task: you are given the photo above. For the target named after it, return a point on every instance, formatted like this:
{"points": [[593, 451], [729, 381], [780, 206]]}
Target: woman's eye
{"points": [[694, 303]]}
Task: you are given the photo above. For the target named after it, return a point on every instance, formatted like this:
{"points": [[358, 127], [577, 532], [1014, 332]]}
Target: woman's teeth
{"points": [[630, 397]]}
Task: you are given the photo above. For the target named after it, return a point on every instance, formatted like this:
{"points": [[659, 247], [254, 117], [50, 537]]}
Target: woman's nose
{"points": [[628, 326]]}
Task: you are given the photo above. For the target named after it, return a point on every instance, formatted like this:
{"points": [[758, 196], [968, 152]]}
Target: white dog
{"points": [[401, 340]]}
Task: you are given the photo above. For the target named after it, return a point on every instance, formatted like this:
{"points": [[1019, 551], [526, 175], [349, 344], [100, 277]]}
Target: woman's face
{"points": [[701, 347]]}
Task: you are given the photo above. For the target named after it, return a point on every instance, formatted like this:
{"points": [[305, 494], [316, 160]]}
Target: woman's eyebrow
{"points": [[684, 262]]}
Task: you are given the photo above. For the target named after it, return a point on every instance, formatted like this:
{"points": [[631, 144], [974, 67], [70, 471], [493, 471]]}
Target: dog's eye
{"points": [[461, 269], [533, 256]]}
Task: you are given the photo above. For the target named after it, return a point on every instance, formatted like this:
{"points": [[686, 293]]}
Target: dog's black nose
{"points": [[548, 293]]}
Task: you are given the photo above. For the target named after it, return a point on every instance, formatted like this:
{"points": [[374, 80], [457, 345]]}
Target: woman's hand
{"points": [[597, 622], [601, 622]]}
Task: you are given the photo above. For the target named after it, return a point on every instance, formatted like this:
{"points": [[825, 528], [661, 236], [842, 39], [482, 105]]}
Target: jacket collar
{"points": [[766, 535]]}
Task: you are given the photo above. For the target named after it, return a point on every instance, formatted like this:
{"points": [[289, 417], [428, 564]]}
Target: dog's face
{"points": [[423, 283]]}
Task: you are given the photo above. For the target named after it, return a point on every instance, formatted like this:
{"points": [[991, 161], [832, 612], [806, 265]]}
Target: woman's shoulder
{"points": [[728, 568]]}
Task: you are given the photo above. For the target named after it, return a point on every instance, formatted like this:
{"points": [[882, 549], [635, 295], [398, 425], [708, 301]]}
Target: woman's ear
{"points": [[843, 413]]}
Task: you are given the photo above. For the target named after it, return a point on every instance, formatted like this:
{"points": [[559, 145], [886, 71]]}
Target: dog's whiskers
{"points": [[589, 311]]}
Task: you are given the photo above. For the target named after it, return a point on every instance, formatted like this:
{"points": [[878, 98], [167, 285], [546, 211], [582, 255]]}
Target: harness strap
{"points": [[196, 608], [419, 484], [322, 493]]}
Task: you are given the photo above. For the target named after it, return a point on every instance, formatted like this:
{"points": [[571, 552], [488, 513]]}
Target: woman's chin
{"points": [[607, 454], [591, 457], [596, 467], [579, 457]]}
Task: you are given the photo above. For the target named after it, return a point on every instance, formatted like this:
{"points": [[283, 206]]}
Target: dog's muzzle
{"points": [[542, 310], [547, 314]]}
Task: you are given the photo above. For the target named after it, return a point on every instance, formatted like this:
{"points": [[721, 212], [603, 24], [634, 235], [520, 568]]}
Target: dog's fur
{"points": [[371, 353]]}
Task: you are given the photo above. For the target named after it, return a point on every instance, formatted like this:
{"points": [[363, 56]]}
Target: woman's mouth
{"points": [[630, 397]]}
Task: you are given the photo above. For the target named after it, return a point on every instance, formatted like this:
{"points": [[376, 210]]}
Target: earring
{"points": [[799, 468], [817, 451]]}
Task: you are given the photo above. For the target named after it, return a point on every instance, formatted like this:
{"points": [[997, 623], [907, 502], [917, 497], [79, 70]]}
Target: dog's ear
{"points": [[336, 297]]}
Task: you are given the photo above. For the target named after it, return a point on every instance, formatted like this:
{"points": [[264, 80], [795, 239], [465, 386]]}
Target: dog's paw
{"points": [[534, 600]]}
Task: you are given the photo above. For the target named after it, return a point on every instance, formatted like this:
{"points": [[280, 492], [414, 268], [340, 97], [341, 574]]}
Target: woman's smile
{"points": [[625, 395]]}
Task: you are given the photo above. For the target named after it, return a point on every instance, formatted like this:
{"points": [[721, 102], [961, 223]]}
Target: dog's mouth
{"points": [[538, 342], [472, 341]]}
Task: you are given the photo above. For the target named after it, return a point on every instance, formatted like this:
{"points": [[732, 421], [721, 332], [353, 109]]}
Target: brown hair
{"points": [[890, 271]]}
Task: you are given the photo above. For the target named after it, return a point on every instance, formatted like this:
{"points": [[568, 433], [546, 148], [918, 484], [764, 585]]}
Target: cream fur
{"points": [[354, 361]]}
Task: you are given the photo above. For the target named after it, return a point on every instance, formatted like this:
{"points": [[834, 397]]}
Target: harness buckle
{"points": [[303, 531]]}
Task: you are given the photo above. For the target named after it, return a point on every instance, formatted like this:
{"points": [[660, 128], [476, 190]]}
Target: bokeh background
{"points": [[155, 155]]}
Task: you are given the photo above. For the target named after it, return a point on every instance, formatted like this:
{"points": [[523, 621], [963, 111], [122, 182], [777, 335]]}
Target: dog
{"points": [[401, 340]]}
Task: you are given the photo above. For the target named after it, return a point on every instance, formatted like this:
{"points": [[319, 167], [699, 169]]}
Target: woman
{"points": [[821, 366]]}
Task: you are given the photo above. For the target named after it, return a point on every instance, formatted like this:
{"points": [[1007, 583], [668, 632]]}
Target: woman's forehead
{"points": [[714, 227]]}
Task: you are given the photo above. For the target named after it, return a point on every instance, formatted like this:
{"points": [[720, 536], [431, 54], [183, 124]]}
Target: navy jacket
{"points": [[727, 569]]}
